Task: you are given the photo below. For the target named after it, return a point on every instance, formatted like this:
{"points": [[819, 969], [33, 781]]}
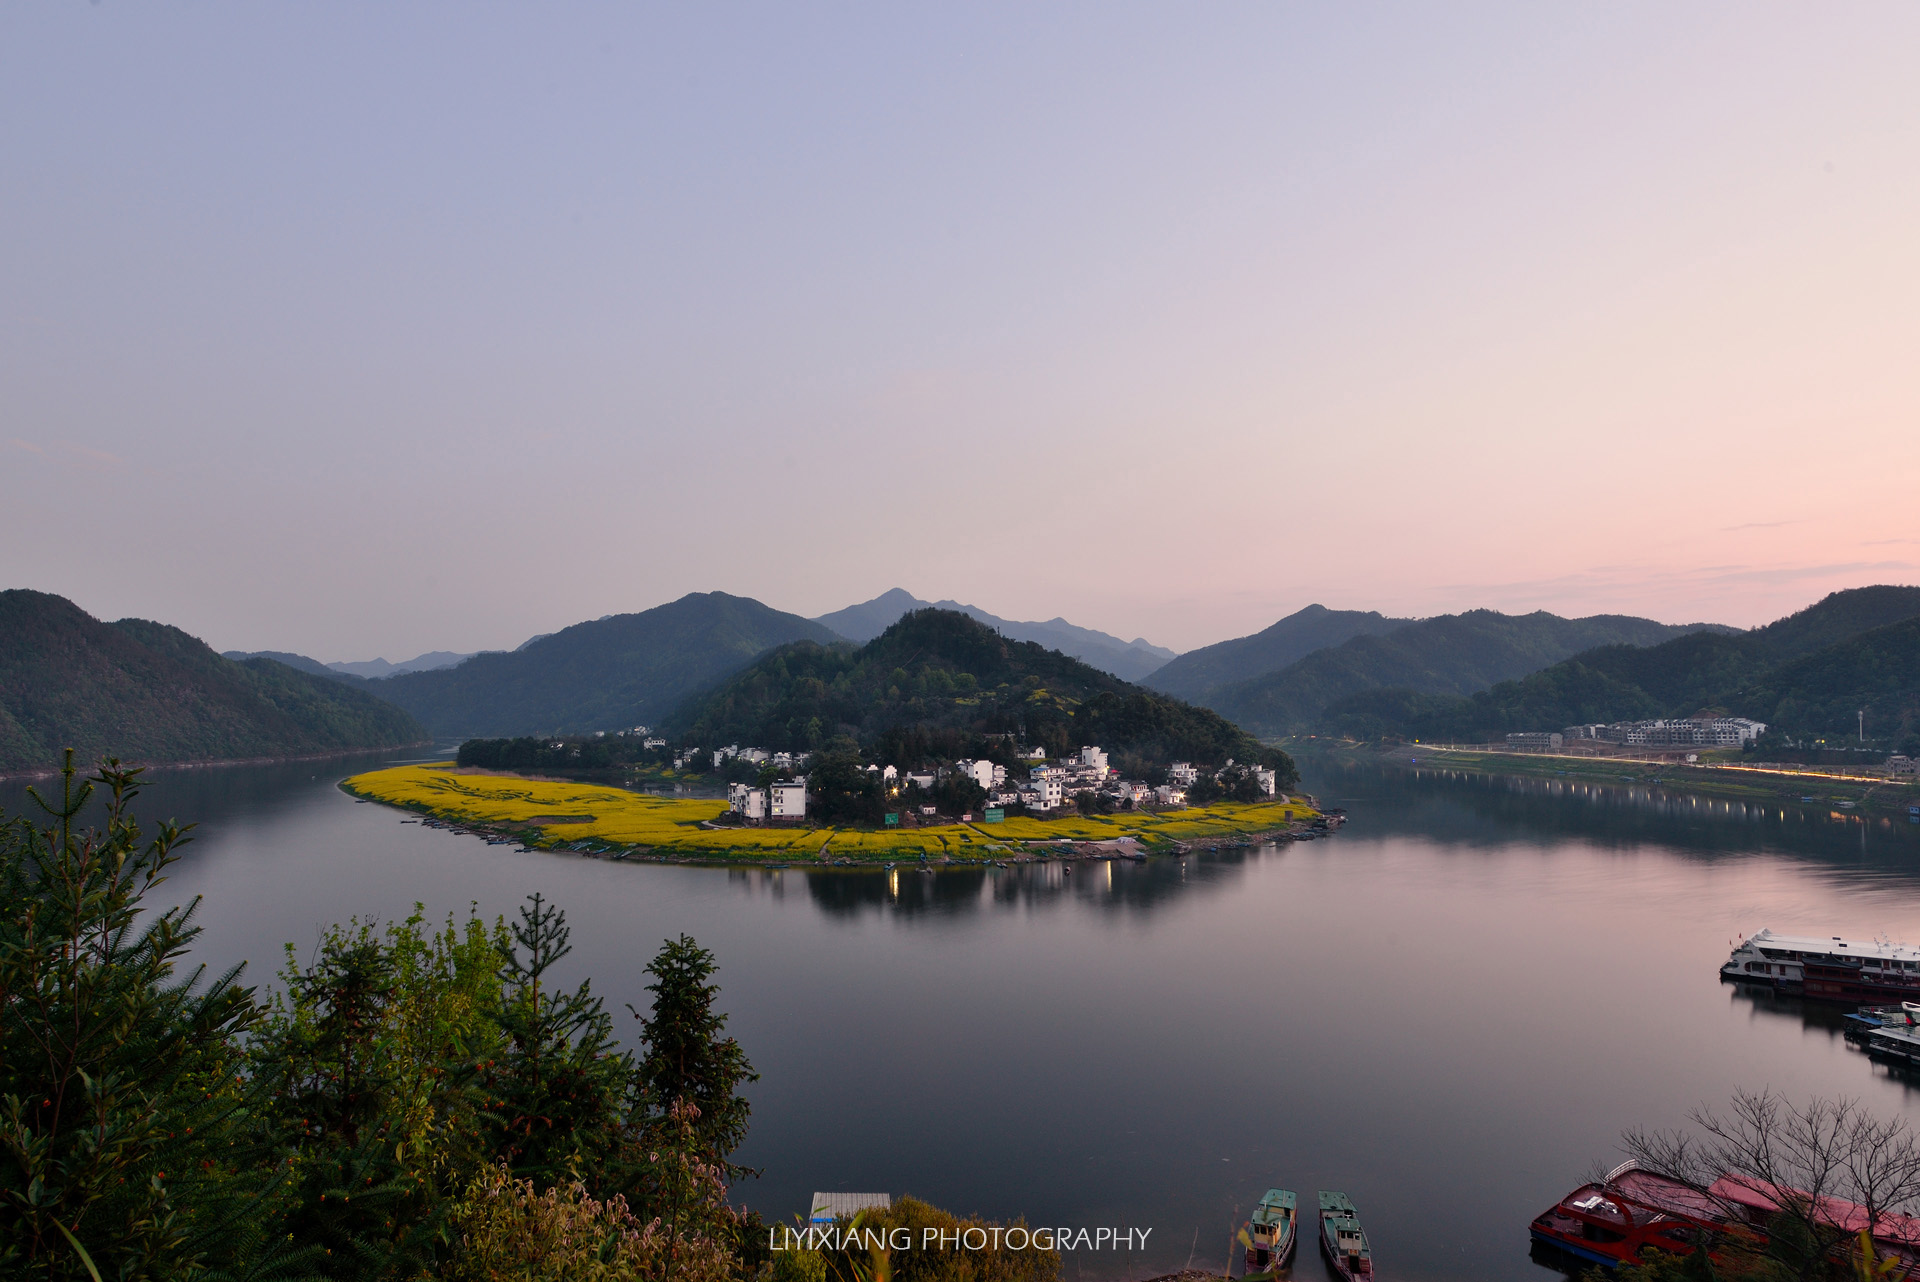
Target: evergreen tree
{"points": [[121, 1100], [688, 1061], [558, 1090]]}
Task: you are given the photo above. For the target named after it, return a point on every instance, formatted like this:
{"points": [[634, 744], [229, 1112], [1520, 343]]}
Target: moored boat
{"points": [[1272, 1233], [1834, 969], [1342, 1239], [1612, 1221]]}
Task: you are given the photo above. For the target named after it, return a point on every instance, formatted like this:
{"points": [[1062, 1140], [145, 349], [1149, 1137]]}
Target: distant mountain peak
{"points": [[1128, 660]]}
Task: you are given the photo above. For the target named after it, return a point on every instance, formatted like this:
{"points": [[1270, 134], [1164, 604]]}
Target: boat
{"points": [[1612, 1221], [1868, 1020], [1271, 1235], [1857, 972], [1342, 1240]]}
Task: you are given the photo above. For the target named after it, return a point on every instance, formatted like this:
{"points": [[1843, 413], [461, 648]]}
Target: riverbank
{"points": [[1812, 786], [594, 819]]}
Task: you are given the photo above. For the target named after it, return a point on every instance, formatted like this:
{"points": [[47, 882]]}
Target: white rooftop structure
{"points": [[828, 1207]]}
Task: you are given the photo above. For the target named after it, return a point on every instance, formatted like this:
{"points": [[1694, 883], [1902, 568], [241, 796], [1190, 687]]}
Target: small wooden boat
{"points": [[1342, 1239], [1271, 1234]]}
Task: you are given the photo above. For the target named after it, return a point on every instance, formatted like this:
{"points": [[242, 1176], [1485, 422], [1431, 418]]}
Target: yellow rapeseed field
{"points": [[567, 812]]}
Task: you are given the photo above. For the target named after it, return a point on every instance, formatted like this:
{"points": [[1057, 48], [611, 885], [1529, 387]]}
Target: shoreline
{"points": [[942, 846], [1812, 787]]}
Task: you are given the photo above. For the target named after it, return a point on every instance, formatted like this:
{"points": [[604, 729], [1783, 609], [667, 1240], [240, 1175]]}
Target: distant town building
{"points": [[1721, 732], [1182, 773], [749, 802], [789, 799], [1534, 741], [1094, 758], [922, 777], [1901, 765], [1267, 779], [984, 773], [1168, 795]]}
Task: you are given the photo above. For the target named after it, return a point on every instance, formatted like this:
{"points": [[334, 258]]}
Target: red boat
{"points": [[1895, 1236], [1611, 1222]]}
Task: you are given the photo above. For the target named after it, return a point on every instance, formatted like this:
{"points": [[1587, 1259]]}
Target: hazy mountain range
{"points": [[1128, 660], [1810, 674], [145, 691], [152, 692]]}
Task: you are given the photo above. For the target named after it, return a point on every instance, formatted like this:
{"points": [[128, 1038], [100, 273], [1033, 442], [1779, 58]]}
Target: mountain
{"points": [[375, 669], [1450, 654], [300, 661], [1808, 674], [1315, 627], [623, 670], [145, 691], [1128, 660], [940, 672]]}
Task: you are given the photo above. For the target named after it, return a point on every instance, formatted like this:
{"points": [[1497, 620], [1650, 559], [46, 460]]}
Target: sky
{"points": [[364, 330]]}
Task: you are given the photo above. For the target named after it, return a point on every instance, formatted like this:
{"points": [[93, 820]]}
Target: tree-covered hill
{"points": [[630, 669], [1808, 674], [1193, 674], [149, 692], [941, 671], [1450, 654]]}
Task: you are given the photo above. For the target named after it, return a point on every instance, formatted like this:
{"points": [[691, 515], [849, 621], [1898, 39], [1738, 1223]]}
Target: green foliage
{"points": [[689, 1062], [120, 1094], [996, 1263], [609, 674], [940, 675], [1193, 674], [152, 692]]}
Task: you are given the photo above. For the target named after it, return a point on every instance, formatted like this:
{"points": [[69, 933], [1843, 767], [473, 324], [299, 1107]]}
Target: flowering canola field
{"points": [[568, 812]]}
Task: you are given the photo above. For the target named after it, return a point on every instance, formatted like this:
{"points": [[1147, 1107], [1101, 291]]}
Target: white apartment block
{"points": [[789, 799], [1182, 773], [747, 802], [1094, 758]]}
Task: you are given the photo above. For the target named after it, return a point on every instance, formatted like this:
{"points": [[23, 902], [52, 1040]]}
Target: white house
{"points": [[1182, 773], [984, 773], [1168, 795], [1043, 793], [1094, 759], [1266, 778], [924, 778], [746, 801], [790, 799]]}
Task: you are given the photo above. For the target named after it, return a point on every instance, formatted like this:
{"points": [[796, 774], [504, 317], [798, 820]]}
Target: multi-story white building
{"points": [[746, 801], [1094, 759], [1168, 795], [984, 773], [789, 799], [1269, 782], [1182, 774], [1043, 792]]}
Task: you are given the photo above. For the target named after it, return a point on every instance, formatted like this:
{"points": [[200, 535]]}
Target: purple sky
{"points": [[372, 329]]}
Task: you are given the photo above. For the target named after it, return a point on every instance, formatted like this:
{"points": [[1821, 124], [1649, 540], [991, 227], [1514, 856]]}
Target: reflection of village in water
{"points": [[1445, 807]]}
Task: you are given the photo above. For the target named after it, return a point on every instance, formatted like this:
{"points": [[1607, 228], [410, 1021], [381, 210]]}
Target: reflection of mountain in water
{"points": [[1451, 806]]}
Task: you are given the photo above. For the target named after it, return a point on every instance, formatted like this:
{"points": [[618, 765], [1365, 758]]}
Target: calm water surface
{"points": [[1450, 1010]]}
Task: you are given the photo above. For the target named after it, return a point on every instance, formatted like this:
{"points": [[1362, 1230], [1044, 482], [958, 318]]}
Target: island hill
{"points": [[939, 739]]}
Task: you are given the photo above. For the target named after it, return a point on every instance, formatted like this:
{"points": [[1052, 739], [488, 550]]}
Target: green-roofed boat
{"points": [[1342, 1238], [1272, 1234]]}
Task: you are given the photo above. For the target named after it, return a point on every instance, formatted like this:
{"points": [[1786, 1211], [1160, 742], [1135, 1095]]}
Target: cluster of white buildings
{"points": [[786, 799], [1712, 732]]}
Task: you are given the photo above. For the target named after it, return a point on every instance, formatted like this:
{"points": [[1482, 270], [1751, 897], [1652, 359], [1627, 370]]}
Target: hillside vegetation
{"points": [[631, 669], [937, 670], [1808, 674], [1451, 654], [145, 691]]}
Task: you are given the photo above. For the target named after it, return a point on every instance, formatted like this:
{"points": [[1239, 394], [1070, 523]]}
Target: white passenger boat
{"points": [[1833, 969]]}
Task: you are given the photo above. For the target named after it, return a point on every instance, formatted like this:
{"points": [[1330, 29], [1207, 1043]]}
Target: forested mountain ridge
{"points": [[1128, 660], [1449, 654], [1314, 627], [1858, 660], [624, 670], [145, 691], [939, 671]]}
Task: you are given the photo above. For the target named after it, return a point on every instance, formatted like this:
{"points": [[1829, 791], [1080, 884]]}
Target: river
{"points": [[1450, 1010]]}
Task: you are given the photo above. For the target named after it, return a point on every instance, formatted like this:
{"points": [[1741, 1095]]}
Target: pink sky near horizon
{"points": [[369, 332]]}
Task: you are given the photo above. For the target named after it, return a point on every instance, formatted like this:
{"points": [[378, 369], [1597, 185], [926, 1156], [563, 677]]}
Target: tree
{"points": [[120, 1096], [559, 1088], [687, 1059], [1787, 1165]]}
